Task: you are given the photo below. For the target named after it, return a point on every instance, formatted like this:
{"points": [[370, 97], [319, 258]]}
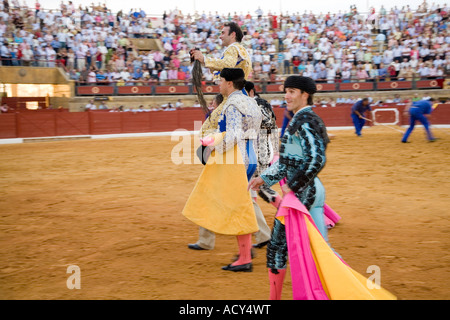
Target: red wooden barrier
{"points": [[19, 103], [171, 89], [95, 90], [47, 124], [430, 84], [8, 125], [354, 86], [72, 123], [326, 86], [105, 122], [272, 88], [132, 90], [394, 85], [208, 89], [36, 124]]}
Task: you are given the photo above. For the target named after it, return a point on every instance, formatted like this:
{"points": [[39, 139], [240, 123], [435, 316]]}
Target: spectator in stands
{"points": [[163, 76], [4, 108], [340, 99], [138, 74], [181, 77], [90, 106], [287, 58], [92, 76], [179, 104], [96, 36], [5, 54], [102, 106], [362, 75], [196, 104], [295, 64], [392, 72], [397, 99], [140, 108]]}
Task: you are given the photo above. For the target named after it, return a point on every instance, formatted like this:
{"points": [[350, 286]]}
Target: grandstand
{"points": [[57, 61]]}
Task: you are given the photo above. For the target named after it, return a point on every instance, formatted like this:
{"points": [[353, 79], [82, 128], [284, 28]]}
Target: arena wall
{"points": [[53, 123]]}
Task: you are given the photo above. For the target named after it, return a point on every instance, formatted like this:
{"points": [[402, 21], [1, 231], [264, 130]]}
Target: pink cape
{"points": [[306, 283], [331, 217], [317, 272]]}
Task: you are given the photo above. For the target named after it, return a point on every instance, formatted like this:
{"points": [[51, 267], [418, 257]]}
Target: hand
{"points": [[285, 188], [197, 55], [255, 183], [207, 141]]}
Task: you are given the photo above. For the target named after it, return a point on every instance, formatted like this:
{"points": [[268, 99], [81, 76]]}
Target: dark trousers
{"points": [[416, 115], [358, 123]]}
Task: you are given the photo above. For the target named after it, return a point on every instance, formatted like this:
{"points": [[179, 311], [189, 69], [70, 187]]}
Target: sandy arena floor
{"points": [[113, 208]]}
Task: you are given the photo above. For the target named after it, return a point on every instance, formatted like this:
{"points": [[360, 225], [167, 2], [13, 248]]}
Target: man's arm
{"points": [[229, 60]]}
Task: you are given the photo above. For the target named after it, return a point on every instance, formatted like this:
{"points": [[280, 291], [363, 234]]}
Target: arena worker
{"points": [[317, 271], [419, 111], [358, 114], [220, 201]]}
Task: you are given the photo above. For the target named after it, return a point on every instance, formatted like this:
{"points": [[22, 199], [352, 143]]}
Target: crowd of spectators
{"points": [[92, 105], [93, 44]]}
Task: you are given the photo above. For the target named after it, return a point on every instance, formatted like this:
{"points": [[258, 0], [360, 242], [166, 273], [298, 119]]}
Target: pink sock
{"points": [[277, 201], [245, 247], [276, 284]]}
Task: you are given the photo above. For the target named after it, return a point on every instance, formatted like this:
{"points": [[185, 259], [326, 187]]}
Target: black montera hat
{"points": [[231, 74], [303, 83]]}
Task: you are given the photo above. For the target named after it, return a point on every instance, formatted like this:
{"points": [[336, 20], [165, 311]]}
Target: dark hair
{"points": [[239, 83], [310, 100], [249, 86], [218, 98], [234, 27]]}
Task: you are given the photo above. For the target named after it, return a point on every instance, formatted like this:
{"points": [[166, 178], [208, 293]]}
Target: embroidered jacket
{"points": [[302, 155], [241, 120], [268, 138], [234, 56]]}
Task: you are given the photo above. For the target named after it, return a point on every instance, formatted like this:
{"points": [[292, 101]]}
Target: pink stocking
{"points": [[245, 247], [277, 201], [276, 283]]}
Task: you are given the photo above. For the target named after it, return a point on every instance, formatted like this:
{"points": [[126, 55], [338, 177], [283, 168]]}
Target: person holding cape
{"points": [[220, 201], [317, 271]]}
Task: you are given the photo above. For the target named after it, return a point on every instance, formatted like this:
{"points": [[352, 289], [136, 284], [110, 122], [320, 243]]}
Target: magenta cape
{"points": [[331, 217], [317, 272]]}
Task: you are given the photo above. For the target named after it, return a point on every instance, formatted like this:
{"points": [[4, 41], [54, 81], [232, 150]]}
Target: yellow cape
{"points": [[339, 281], [220, 201]]}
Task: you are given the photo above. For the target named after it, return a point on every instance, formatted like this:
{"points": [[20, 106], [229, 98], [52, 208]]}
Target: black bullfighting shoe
{"points": [[248, 267]]}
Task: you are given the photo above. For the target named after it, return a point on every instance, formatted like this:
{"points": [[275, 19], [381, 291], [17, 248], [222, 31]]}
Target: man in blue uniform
{"points": [[419, 111], [358, 110]]}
